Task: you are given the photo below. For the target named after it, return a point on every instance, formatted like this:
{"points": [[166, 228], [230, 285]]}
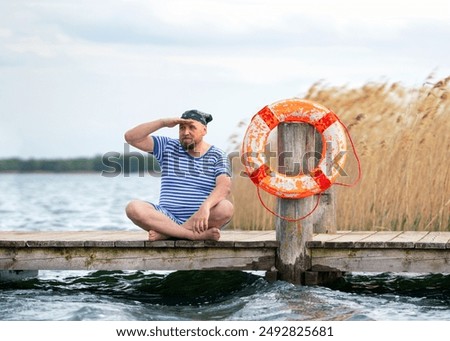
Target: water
{"points": [[67, 202]]}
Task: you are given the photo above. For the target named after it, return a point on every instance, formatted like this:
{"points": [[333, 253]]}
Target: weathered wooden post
{"points": [[325, 219], [302, 128], [296, 151], [299, 150]]}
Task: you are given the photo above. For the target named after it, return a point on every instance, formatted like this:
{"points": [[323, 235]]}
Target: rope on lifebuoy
{"points": [[288, 218], [358, 161]]}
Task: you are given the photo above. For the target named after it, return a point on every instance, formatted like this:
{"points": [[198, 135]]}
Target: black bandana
{"points": [[199, 116]]}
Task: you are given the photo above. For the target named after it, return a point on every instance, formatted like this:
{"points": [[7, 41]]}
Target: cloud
{"points": [[207, 23], [116, 62]]}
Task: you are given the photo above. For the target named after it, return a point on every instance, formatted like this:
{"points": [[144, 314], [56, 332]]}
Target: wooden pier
{"points": [[130, 250], [418, 252]]}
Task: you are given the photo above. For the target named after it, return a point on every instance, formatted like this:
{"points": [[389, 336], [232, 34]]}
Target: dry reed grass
{"points": [[402, 137]]}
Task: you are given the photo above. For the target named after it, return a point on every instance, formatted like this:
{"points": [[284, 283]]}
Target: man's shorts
{"points": [[164, 211]]}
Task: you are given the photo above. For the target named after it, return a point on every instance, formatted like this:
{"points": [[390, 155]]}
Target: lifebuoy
{"points": [[321, 177]]}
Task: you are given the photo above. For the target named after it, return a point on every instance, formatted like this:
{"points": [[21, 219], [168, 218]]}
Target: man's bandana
{"points": [[197, 115]]}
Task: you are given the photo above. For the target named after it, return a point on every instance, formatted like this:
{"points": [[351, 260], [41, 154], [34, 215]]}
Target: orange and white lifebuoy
{"points": [[321, 177]]}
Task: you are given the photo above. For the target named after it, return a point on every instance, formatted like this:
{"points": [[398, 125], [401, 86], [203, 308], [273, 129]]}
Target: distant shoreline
{"points": [[49, 172], [108, 163]]}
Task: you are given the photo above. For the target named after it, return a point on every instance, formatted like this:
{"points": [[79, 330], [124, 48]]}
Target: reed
{"points": [[402, 138]]}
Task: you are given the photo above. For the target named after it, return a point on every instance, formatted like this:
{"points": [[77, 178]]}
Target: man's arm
{"points": [[140, 136]]}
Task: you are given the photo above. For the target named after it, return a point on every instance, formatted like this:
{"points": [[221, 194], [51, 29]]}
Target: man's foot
{"points": [[210, 234], [154, 236]]}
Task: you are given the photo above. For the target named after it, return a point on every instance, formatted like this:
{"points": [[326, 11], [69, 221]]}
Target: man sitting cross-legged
{"points": [[194, 184]]}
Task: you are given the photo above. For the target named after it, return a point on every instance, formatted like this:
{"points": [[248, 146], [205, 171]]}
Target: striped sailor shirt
{"points": [[186, 181]]}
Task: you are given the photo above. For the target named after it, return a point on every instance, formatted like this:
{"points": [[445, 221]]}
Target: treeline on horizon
{"points": [[111, 163]]}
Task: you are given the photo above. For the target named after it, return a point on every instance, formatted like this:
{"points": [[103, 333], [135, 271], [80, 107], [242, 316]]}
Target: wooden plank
{"points": [[377, 240], [128, 239], [99, 243], [119, 250], [434, 240], [129, 243], [319, 239], [160, 243], [55, 243], [406, 239], [133, 258], [190, 243], [248, 235], [249, 244], [248, 238], [323, 237], [382, 260], [13, 243], [354, 236], [347, 240], [221, 243], [72, 235]]}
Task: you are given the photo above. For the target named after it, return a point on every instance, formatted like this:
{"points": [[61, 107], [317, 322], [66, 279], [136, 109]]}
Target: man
{"points": [[194, 185]]}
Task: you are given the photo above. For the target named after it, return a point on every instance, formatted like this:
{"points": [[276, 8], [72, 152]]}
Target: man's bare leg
{"points": [[221, 214], [148, 218]]}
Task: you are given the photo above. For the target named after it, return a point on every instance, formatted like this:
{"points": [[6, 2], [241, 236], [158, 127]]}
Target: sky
{"points": [[76, 74]]}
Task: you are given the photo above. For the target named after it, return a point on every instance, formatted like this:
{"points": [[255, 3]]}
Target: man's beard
{"points": [[188, 145]]}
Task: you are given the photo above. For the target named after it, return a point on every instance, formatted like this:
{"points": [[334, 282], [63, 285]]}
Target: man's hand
{"points": [[172, 122], [200, 219]]}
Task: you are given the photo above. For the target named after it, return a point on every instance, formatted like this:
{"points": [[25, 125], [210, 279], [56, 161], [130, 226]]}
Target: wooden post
{"points": [[325, 221], [325, 217], [296, 151]]}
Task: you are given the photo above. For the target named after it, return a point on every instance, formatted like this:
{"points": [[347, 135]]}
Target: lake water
{"points": [[67, 202]]}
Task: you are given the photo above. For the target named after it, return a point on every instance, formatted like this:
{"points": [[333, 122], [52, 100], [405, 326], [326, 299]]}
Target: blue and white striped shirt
{"points": [[186, 180]]}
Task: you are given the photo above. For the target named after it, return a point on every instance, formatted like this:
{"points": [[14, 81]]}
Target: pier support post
{"points": [[296, 154], [299, 151]]}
